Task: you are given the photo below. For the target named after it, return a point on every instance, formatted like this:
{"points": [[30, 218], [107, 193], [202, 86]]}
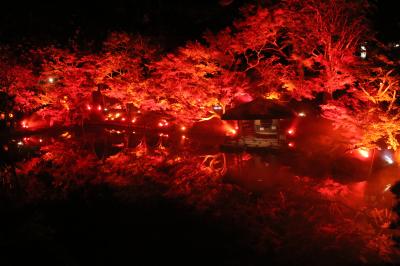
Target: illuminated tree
{"points": [[189, 82], [296, 47], [123, 68], [68, 78], [18, 85], [369, 109]]}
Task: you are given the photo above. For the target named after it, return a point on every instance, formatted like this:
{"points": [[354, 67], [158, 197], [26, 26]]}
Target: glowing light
{"points": [[363, 152], [163, 123], [51, 80], [233, 131], [2, 116], [117, 115], [24, 124], [66, 135], [20, 143], [112, 118], [363, 55], [106, 118], [290, 131], [388, 159], [183, 128], [134, 120], [387, 187], [123, 118], [99, 107], [105, 109], [183, 137], [40, 140], [291, 144], [273, 96], [89, 107], [208, 118], [11, 115], [302, 114], [217, 107]]}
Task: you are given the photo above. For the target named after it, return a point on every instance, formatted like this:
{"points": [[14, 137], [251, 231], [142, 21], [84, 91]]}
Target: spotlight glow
{"points": [[388, 159], [363, 152]]}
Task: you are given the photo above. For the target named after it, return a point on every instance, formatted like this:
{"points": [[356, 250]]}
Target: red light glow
{"points": [[163, 123], [290, 131], [183, 128], [24, 124], [89, 107], [123, 118], [99, 108], [363, 152], [134, 120], [387, 187], [291, 144]]}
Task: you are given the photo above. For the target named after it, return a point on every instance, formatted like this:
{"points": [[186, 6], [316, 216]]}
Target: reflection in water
{"points": [[215, 163], [258, 172], [254, 171], [267, 193]]}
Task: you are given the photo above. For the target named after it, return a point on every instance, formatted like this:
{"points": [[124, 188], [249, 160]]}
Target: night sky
{"points": [[170, 22]]}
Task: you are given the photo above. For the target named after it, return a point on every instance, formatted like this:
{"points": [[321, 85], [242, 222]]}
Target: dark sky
{"points": [[386, 19], [171, 21]]}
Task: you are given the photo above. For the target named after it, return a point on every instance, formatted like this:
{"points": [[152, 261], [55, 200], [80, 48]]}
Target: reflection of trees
{"points": [[215, 163], [285, 217], [8, 180]]}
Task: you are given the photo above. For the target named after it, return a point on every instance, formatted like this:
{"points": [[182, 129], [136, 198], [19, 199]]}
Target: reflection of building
{"points": [[260, 123]]}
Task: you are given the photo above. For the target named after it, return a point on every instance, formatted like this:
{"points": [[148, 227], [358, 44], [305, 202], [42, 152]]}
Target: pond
{"points": [[256, 207]]}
